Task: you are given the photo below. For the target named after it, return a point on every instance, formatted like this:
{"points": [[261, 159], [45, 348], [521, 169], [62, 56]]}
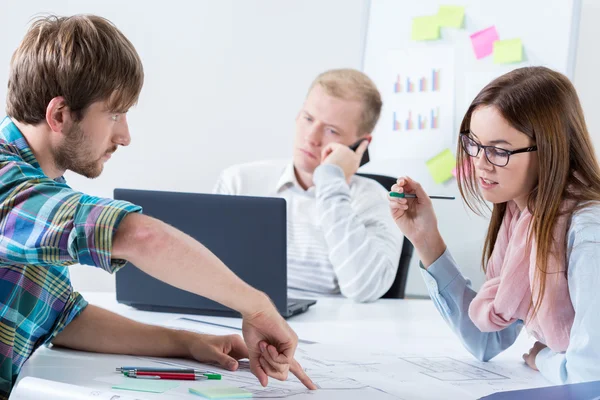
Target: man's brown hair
{"points": [[83, 58]]}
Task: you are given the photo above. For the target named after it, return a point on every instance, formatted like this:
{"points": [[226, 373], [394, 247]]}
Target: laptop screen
{"points": [[247, 233]]}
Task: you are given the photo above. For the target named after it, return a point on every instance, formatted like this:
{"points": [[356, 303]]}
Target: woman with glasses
{"points": [[525, 148]]}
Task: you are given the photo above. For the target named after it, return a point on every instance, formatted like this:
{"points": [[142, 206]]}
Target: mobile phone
{"points": [[365, 158]]}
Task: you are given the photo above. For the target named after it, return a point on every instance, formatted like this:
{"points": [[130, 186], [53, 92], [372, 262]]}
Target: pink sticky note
{"points": [[483, 42], [466, 169]]}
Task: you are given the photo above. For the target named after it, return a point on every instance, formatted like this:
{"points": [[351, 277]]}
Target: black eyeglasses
{"points": [[495, 155]]}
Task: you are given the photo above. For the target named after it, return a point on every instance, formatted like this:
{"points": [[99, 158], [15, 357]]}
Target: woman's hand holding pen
{"points": [[416, 219]]}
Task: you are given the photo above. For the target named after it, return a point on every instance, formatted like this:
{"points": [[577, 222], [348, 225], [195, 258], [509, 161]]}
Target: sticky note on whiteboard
{"points": [[425, 28], [466, 169], [508, 51], [451, 16], [483, 42], [441, 166]]}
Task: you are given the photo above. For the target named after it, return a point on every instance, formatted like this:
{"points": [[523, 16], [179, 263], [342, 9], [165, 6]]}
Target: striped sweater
{"points": [[341, 238]]}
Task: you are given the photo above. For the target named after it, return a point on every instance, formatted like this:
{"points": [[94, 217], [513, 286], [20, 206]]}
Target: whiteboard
{"points": [[549, 31]]}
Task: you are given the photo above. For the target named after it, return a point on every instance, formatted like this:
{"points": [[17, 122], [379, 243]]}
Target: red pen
{"points": [[181, 376]]}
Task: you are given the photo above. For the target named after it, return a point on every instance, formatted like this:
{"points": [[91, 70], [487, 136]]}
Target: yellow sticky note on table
{"points": [[451, 16], [440, 167], [508, 51], [425, 28], [221, 392]]}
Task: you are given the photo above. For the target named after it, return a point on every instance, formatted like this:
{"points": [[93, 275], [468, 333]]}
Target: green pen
{"points": [[128, 371], [414, 196]]}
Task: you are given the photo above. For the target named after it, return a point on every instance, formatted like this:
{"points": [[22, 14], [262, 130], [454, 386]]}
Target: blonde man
{"points": [[341, 238], [71, 83]]}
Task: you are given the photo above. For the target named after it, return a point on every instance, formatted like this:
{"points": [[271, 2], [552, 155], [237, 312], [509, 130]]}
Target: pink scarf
{"points": [[507, 293]]}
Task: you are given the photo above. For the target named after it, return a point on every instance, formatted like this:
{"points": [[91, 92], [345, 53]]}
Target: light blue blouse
{"points": [[451, 293]]}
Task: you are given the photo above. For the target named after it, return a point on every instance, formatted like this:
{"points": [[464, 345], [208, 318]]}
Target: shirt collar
{"points": [[287, 179], [12, 138]]}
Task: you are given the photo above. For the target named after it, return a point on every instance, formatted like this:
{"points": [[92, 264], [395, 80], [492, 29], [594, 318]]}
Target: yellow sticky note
{"points": [[425, 28], [223, 392], [508, 51], [451, 16], [440, 167]]}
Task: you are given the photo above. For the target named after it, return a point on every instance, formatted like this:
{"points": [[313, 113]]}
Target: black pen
{"points": [[414, 196]]}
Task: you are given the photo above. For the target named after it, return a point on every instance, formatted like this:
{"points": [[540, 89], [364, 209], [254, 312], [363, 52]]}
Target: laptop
{"points": [[248, 234]]}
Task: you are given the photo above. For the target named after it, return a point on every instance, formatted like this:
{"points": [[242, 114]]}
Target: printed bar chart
{"points": [[407, 85]]}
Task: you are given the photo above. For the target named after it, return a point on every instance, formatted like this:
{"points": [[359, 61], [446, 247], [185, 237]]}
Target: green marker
{"points": [[414, 196], [396, 194]]}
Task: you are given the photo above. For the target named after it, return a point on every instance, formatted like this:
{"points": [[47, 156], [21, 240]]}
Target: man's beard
{"points": [[75, 155]]}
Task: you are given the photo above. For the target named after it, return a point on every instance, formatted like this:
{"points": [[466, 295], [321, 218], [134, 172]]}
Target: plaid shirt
{"points": [[45, 226]]}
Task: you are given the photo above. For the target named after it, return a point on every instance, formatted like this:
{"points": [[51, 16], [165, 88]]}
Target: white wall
{"points": [[224, 80]]}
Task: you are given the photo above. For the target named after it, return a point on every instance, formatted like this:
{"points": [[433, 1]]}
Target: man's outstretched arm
{"points": [[177, 259], [101, 331]]}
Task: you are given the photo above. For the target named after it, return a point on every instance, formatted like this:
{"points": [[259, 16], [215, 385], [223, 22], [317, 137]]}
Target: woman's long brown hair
{"points": [[542, 104]]}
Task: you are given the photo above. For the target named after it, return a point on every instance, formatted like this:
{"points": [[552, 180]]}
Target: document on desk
{"points": [[419, 376], [351, 373], [30, 388]]}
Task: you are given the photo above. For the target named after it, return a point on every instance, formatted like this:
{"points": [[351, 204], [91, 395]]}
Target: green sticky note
{"points": [[221, 392], [147, 385], [425, 28], [440, 167], [508, 51], [451, 16]]}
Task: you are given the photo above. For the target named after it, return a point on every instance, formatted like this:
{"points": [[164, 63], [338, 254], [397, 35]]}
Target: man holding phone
{"points": [[341, 239]]}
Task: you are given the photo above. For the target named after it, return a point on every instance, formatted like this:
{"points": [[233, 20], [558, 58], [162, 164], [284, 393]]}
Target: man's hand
{"points": [[102, 331], [533, 352], [222, 350], [271, 346], [343, 156]]}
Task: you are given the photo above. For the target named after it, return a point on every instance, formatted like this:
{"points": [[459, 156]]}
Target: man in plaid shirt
{"points": [[71, 83]]}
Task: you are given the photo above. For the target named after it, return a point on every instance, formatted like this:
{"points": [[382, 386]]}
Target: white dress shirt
{"points": [[341, 238]]}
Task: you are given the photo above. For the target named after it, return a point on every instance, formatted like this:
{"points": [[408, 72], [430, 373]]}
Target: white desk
{"points": [[396, 326]]}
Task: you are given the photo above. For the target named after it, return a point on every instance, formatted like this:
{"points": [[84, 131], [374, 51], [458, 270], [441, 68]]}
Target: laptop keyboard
{"points": [[291, 302]]}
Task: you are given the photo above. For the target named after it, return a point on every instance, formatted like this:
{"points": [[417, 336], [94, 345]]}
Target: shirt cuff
{"points": [[326, 173], [95, 224], [542, 356], [441, 273], [551, 366]]}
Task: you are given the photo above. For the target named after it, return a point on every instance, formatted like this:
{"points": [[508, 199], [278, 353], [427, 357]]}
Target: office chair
{"points": [[397, 289]]}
